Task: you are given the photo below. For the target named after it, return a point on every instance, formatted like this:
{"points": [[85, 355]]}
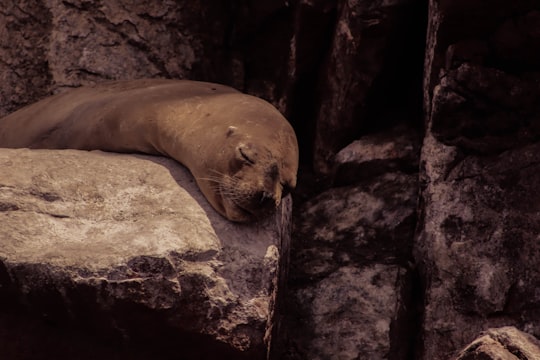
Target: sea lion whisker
{"points": [[214, 179]]}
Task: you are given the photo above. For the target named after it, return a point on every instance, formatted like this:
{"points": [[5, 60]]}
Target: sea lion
{"points": [[242, 152]]}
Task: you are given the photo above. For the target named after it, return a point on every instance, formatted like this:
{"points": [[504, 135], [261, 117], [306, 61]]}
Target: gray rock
{"points": [[371, 221], [479, 222], [374, 155], [86, 236], [350, 279], [479, 228], [50, 46], [351, 312], [368, 75], [506, 343]]}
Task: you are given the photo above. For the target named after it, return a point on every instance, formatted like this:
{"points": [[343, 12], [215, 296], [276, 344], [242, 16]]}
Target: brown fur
{"points": [[242, 152]]}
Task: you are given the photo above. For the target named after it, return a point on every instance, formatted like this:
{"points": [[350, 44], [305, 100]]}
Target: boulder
{"points": [[370, 77], [372, 155], [65, 44], [506, 343], [124, 250], [477, 245], [351, 313], [350, 280]]}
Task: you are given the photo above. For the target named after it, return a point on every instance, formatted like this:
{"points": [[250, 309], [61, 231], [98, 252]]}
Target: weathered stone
{"points": [[24, 34], [49, 45], [506, 343], [373, 155], [349, 276], [351, 312], [484, 109], [481, 77], [478, 245], [126, 247], [362, 87], [370, 221]]}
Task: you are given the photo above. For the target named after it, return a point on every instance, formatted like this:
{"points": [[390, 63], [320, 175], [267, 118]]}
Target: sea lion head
{"points": [[254, 169]]}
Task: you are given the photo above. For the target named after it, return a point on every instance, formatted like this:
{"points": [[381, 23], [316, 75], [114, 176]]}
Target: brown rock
{"points": [[24, 73], [478, 233], [373, 155], [366, 81], [125, 248], [350, 313], [484, 109], [47, 46], [349, 279], [506, 343], [479, 174], [481, 76]]}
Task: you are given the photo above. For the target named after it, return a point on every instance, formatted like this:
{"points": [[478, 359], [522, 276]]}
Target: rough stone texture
{"points": [[350, 278], [506, 343], [24, 35], [127, 249], [370, 76], [478, 244], [394, 150], [49, 45], [351, 313], [348, 75]]}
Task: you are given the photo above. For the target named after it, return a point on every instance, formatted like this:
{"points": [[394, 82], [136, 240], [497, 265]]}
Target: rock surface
{"points": [[394, 150], [125, 247], [506, 343], [348, 75], [64, 44], [370, 77], [478, 241], [350, 278]]}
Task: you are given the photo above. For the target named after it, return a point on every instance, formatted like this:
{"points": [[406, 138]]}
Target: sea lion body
{"points": [[242, 152]]}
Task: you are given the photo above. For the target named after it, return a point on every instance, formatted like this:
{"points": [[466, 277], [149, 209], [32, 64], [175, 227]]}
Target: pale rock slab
{"points": [[126, 245]]}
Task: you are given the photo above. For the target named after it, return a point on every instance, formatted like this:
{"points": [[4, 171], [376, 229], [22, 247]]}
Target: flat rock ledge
{"points": [[120, 255]]}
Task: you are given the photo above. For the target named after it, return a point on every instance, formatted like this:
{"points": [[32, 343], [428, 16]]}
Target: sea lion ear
{"points": [[231, 130]]}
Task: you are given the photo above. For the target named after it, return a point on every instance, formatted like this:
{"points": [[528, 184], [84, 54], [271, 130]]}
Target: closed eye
{"points": [[245, 157]]}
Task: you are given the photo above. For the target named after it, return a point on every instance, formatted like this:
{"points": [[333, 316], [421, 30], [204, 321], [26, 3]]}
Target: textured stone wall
{"points": [[478, 241], [416, 216]]}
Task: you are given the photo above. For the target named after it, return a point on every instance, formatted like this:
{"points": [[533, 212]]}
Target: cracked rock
{"points": [[125, 249]]}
